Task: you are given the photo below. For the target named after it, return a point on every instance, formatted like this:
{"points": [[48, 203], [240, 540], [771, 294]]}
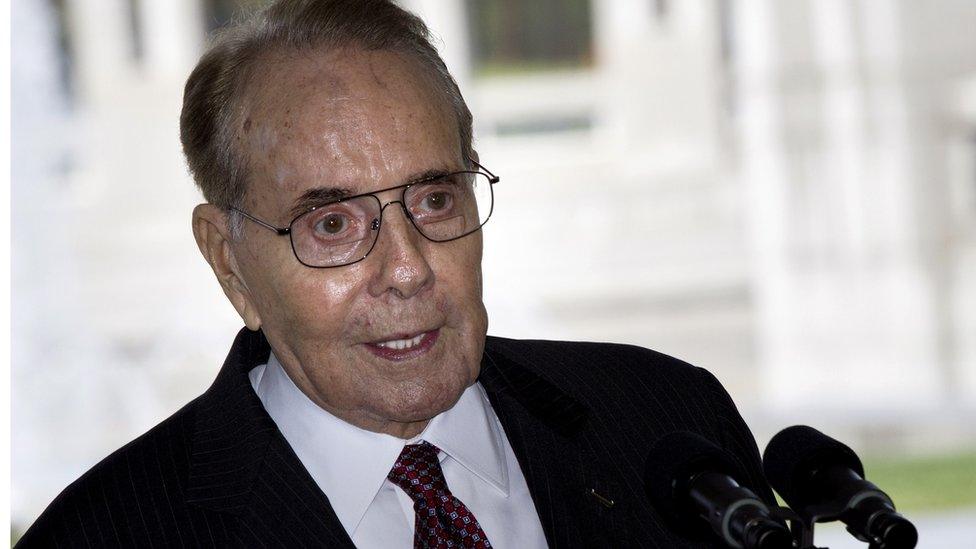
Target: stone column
{"points": [[847, 317]]}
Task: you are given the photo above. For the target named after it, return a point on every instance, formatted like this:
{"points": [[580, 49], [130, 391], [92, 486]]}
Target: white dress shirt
{"points": [[350, 465]]}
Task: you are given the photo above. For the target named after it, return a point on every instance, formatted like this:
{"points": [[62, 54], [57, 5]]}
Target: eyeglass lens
{"points": [[344, 232]]}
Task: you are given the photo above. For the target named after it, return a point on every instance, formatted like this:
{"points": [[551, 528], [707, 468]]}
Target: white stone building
{"points": [[783, 192]]}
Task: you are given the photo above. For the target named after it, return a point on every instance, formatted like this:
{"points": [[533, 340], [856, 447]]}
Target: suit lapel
{"points": [[545, 427], [240, 463]]}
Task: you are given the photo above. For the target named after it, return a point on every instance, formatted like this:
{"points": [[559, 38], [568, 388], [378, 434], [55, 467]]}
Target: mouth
{"points": [[404, 347]]}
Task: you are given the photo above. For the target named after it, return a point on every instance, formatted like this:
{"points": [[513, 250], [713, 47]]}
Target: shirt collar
{"points": [[470, 433], [350, 464]]}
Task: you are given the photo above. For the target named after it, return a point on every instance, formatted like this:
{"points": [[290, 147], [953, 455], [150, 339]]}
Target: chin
{"points": [[424, 402]]}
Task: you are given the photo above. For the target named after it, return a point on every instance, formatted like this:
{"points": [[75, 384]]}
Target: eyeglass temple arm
{"points": [[265, 224], [492, 178]]}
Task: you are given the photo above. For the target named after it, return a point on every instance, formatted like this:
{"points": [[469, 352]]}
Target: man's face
{"points": [[359, 121]]}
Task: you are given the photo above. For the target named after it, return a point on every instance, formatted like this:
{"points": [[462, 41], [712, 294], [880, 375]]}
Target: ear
{"points": [[213, 237]]}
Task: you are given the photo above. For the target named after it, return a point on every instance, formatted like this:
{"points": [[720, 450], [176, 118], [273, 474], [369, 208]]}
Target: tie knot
{"points": [[418, 472]]}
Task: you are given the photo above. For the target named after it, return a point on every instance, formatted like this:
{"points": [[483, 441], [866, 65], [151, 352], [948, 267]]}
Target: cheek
{"points": [[470, 267], [320, 303], [461, 280]]}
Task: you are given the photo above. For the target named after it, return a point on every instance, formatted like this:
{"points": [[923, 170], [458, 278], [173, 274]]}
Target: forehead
{"points": [[349, 117], [323, 76]]}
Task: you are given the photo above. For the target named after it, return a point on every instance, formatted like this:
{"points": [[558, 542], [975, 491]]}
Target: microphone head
{"points": [[795, 455], [673, 462], [895, 531]]}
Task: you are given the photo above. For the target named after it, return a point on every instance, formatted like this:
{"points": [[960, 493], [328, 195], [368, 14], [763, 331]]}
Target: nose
{"points": [[403, 268]]}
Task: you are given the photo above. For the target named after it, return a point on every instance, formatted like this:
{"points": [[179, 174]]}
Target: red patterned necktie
{"points": [[443, 522]]}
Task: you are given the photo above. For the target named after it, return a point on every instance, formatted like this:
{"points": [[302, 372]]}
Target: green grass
{"points": [[926, 483]]}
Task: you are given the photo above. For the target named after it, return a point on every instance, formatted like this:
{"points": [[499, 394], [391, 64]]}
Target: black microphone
{"points": [[816, 474], [691, 481]]}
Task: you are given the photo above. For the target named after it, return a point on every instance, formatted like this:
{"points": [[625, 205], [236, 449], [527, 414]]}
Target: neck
{"points": [[369, 422], [358, 417], [405, 431]]}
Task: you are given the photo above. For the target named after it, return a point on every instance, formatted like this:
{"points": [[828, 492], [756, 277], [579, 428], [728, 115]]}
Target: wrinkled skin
{"points": [[363, 121]]}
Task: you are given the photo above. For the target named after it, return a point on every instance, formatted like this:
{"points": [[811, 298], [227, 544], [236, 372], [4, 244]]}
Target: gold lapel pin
{"points": [[606, 502]]}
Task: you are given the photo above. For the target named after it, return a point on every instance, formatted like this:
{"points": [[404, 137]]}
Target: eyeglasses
{"points": [[342, 232]]}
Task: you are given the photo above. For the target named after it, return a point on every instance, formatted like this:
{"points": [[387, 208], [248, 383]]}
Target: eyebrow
{"points": [[428, 174], [318, 196]]}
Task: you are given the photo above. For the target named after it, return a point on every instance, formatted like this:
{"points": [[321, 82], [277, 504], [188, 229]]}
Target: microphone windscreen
{"points": [[674, 460], [796, 454]]}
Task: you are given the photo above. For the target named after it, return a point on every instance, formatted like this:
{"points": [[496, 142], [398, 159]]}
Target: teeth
{"points": [[400, 344]]}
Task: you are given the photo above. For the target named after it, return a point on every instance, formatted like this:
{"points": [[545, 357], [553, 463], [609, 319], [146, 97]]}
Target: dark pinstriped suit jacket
{"points": [[579, 416]]}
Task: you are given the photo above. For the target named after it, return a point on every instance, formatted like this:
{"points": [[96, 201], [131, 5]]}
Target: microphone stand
{"points": [[802, 529], [801, 526]]}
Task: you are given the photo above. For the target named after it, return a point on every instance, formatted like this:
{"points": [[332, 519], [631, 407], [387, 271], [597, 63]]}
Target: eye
{"points": [[332, 224], [437, 200]]}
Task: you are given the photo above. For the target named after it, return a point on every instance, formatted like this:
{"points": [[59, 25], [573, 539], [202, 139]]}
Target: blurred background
{"points": [[781, 191]]}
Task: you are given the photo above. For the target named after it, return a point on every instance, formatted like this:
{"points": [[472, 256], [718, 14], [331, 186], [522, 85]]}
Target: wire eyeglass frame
{"points": [[378, 222]]}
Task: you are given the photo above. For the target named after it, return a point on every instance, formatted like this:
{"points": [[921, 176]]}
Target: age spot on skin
{"points": [[376, 77]]}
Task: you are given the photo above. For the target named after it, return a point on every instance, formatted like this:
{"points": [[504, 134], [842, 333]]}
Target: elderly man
{"points": [[363, 404]]}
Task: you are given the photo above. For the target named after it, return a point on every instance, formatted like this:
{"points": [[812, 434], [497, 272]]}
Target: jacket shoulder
{"points": [[617, 382], [133, 497], [638, 395], [576, 361]]}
